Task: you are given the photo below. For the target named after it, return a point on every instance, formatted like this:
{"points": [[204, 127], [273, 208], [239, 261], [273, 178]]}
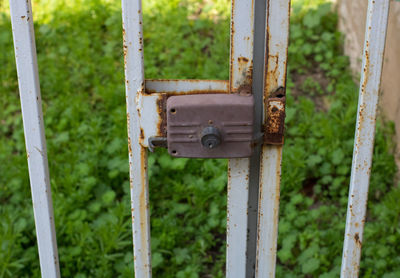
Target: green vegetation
{"points": [[79, 46]]}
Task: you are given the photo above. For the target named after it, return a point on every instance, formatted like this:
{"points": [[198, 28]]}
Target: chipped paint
{"points": [[35, 140], [364, 137], [240, 81], [276, 49], [135, 89]]}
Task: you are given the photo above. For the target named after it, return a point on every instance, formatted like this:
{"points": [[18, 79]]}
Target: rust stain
{"points": [[130, 180], [161, 110], [23, 17], [272, 74], [141, 136], [351, 211], [192, 92], [243, 60], [361, 115], [245, 68], [187, 81], [140, 41], [142, 89], [357, 240], [232, 50], [245, 90], [143, 204], [275, 118], [272, 61], [137, 98], [125, 47], [277, 195], [366, 70], [129, 136], [267, 89]]}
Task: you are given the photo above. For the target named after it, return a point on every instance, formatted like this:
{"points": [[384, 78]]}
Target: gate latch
{"points": [[219, 125], [210, 125]]}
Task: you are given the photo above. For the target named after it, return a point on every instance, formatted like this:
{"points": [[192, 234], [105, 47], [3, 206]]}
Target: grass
{"points": [[79, 46]]}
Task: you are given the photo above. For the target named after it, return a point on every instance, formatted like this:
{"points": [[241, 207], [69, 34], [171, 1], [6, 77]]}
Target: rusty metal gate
{"points": [[241, 119]]}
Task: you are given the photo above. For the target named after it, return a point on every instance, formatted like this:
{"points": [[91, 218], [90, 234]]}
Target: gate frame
{"points": [[253, 183]]}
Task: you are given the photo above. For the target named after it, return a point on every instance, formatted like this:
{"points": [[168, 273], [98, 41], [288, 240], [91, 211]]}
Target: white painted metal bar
{"points": [[241, 64], [135, 83], [277, 42], [31, 104], [188, 86], [374, 45]]}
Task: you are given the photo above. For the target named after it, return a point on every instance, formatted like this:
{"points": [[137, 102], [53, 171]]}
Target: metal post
{"points": [[135, 83], [241, 71], [374, 45], [277, 39], [31, 105]]}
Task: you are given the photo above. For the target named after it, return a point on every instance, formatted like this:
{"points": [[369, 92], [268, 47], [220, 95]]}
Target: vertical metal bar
{"points": [[35, 141], [277, 37], [134, 83], [257, 88], [374, 45], [241, 71]]}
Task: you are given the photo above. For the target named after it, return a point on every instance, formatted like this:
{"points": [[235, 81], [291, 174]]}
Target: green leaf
{"points": [[337, 157], [310, 266], [108, 197], [156, 259]]}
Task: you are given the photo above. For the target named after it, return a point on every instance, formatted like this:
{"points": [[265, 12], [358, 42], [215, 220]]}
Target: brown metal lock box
{"points": [[210, 125]]}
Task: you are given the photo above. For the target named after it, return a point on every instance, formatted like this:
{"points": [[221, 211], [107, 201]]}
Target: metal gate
{"points": [[259, 43]]}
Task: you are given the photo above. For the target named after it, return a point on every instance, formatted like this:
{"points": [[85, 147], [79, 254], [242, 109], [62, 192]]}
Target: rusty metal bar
{"points": [[188, 86], [241, 70], [277, 39], [35, 141], [135, 84], [374, 45]]}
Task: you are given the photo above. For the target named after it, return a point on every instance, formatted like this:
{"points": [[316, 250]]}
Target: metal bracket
{"points": [[275, 114], [157, 142]]}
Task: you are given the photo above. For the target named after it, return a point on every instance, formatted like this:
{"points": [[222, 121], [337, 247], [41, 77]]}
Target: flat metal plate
{"points": [[231, 114]]}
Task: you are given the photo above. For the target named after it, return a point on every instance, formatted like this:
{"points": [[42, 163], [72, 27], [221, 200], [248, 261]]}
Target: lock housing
{"points": [[210, 125]]}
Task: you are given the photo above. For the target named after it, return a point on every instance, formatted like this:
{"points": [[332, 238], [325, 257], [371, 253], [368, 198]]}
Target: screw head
{"points": [[210, 137]]}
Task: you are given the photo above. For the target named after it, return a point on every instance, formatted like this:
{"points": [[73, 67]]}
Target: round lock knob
{"points": [[210, 137]]}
